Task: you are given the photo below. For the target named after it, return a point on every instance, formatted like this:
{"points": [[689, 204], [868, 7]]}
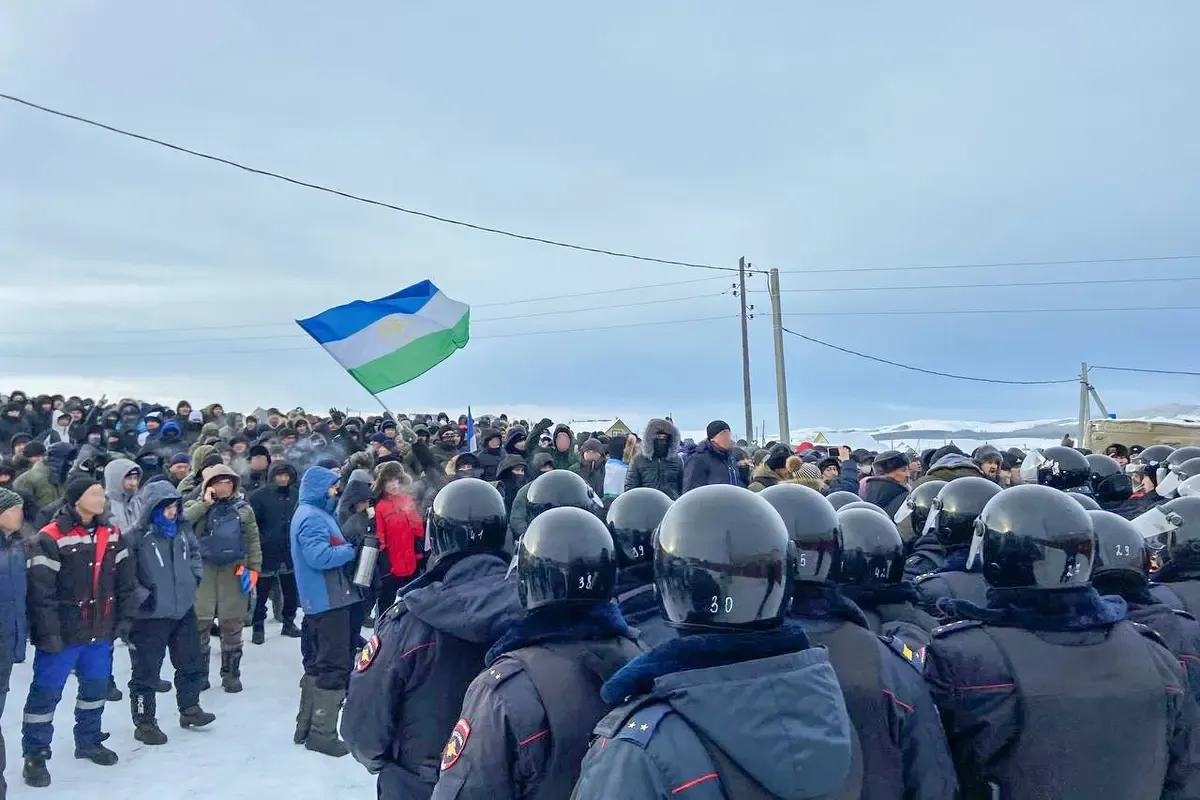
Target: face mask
{"points": [[660, 448], [94, 441]]}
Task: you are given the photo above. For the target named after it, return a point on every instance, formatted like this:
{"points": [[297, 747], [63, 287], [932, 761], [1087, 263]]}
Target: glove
{"points": [[51, 644], [123, 628], [248, 577]]}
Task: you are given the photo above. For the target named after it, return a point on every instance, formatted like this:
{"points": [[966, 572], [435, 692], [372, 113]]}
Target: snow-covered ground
{"points": [[246, 754]]}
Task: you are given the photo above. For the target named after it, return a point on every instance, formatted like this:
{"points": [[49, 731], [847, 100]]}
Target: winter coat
{"points": [[168, 567], [318, 549], [592, 473], [885, 493], [122, 505], [846, 481], [763, 477], [507, 483], [197, 513], [36, 483], [561, 460], [81, 584], [710, 465], [14, 629], [664, 474], [273, 509], [949, 467], [193, 478], [401, 533], [489, 460]]}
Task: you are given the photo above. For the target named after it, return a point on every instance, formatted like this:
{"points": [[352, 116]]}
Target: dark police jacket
{"points": [[903, 750], [528, 720], [1100, 713], [1183, 594], [928, 555], [954, 584], [1179, 630], [406, 692], [779, 721], [635, 597]]}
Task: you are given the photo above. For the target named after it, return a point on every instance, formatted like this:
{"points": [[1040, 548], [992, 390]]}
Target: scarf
{"points": [[701, 651], [569, 622], [168, 527], [1076, 609]]}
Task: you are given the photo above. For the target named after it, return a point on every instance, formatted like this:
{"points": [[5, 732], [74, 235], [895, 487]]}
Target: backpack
{"points": [[223, 542]]}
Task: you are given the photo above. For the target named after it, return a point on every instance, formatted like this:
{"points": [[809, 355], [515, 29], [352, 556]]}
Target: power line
{"points": [[958, 312], [141, 354], [1126, 260], [1146, 371], [1092, 282], [926, 371], [359, 198]]}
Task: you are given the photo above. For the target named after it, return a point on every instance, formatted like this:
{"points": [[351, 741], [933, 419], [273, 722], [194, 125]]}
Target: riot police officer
{"points": [[1049, 692], [926, 553], [952, 520], [871, 574], [741, 705], [632, 519], [1122, 568], [901, 745], [1110, 484], [1177, 582], [1062, 468], [527, 718], [409, 680]]}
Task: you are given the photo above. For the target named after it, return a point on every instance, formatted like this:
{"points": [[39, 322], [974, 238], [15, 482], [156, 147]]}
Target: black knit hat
{"points": [[34, 449], [75, 489], [716, 427], [778, 456], [259, 450]]}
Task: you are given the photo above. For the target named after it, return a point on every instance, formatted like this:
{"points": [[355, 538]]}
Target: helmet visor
{"points": [[1029, 467]]}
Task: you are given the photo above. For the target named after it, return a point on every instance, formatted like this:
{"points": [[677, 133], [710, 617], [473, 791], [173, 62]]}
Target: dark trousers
{"points": [[389, 586], [325, 641], [5, 676], [287, 586], [150, 641]]}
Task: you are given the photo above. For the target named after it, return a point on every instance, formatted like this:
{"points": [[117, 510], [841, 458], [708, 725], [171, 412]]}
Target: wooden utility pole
{"points": [[749, 429]]}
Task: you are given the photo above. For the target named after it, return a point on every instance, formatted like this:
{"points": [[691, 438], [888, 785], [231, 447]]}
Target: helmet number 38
{"points": [[715, 606], [587, 581]]}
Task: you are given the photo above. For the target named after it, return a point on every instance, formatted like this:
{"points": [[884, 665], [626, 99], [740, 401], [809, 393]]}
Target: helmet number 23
{"points": [[715, 606]]}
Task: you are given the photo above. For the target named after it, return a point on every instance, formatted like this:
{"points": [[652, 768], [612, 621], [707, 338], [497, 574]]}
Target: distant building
{"points": [[609, 427]]}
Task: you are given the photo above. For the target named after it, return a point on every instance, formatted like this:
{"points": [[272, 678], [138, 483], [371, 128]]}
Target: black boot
{"points": [[259, 635], [114, 694], [231, 671], [215, 630], [97, 754], [145, 726], [206, 660], [322, 733], [304, 716], [195, 717], [161, 686], [35, 773], [290, 630], [148, 732]]}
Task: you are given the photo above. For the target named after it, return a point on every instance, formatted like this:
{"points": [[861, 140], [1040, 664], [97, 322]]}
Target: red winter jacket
{"points": [[401, 533]]}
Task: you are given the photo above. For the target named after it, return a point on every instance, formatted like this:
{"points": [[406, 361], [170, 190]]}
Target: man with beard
{"points": [[591, 466]]}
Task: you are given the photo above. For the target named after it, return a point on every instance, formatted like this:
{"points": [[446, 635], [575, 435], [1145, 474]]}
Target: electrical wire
{"points": [[1146, 371], [1065, 262], [1093, 282], [986, 311], [926, 371], [194, 352], [359, 198]]}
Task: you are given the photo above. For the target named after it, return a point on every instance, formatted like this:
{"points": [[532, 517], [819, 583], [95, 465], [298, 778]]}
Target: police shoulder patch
{"points": [[924, 577], [640, 726], [456, 744], [500, 671], [914, 655], [942, 631], [367, 654]]}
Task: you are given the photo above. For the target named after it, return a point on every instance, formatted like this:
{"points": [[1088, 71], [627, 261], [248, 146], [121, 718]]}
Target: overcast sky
{"points": [[803, 135]]}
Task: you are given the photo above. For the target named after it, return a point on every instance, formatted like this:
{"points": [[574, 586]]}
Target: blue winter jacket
{"points": [[13, 625], [319, 551]]}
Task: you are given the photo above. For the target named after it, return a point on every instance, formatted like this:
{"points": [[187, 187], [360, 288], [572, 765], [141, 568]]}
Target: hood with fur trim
{"points": [[659, 426]]}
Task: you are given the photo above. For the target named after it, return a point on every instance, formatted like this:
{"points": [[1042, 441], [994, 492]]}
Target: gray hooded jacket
{"points": [[122, 505], [168, 567]]}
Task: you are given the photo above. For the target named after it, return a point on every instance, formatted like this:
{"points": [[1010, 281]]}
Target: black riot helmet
{"points": [[872, 550], [812, 526], [917, 506], [560, 488], [566, 556], [1035, 537], [467, 515], [1119, 547], [632, 519], [1170, 477], [1063, 468], [1109, 482], [1086, 501], [1181, 455], [956, 507], [866, 505], [721, 561], [839, 499], [1151, 457], [1180, 546]]}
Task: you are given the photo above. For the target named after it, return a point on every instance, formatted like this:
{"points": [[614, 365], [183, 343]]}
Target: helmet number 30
{"points": [[715, 606]]}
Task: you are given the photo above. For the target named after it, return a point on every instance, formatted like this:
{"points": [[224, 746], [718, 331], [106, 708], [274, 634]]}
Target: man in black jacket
{"points": [[888, 487], [657, 464], [273, 506], [81, 596], [713, 463]]}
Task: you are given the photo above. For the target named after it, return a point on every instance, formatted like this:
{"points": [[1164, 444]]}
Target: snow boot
{"points": [[259, 635], [114, 694], [231, 671], [304, 715], [97, 754], [142, 708], [161, 686], [149, 733], [195, 717], [323, 734], [214, 630], [290, 630], [35, 773]]}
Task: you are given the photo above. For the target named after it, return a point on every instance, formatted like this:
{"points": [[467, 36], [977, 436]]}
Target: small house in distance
{"points": [[610, 427]]}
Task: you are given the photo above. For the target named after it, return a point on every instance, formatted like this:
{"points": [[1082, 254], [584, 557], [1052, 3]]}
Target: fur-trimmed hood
{"points": [[655, 427]]}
